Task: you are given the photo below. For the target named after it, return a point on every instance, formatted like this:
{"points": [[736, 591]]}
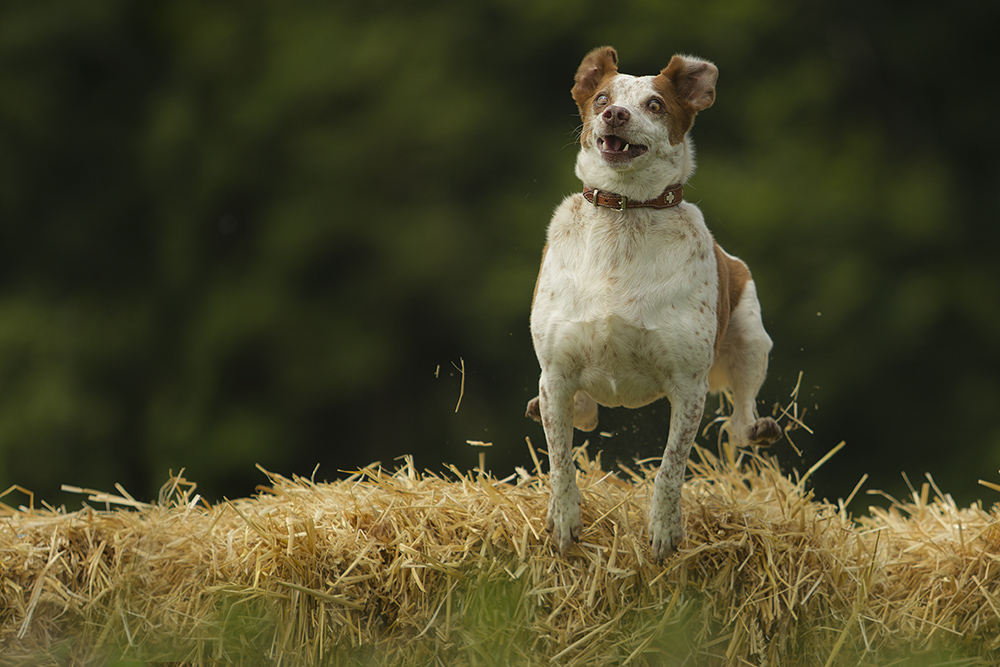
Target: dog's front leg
{"points": [[556, 407], [666, 525]]}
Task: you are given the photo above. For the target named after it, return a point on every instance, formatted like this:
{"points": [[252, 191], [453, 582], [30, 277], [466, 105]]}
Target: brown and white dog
{"points": [[634, 299]]}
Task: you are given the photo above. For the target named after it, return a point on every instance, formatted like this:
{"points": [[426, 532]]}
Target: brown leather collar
{"points": [[672, 196]]}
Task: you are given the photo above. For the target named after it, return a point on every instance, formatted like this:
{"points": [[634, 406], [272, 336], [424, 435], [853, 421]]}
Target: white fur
{"points": [[625, 312]]}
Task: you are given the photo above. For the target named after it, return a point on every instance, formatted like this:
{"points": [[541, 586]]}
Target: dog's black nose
{"points": [[616, 116]]}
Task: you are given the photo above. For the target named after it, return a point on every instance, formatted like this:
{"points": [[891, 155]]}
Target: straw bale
{"points": [[404, 567]]}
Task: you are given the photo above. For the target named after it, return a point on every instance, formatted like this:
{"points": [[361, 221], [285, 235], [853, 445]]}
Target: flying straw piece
{"points": [[461, 388]]}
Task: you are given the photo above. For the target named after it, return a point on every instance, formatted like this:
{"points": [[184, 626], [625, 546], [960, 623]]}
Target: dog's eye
{"points": [[601, 100], [654, 105]]}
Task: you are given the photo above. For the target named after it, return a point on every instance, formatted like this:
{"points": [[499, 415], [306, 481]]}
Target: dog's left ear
{"points": [[693, 81], [688, 86]]}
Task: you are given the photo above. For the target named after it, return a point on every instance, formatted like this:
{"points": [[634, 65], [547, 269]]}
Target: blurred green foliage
{"points": [[258, 232]]}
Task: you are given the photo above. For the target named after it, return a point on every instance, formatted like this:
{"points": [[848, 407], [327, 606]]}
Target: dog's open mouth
{"points": [[616, 149]]}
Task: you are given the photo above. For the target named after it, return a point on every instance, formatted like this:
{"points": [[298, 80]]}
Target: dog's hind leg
{"points": [[556, 408], [584, 411], [741, 367]]}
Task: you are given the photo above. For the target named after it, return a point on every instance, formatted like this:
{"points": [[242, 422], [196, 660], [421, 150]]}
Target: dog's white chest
{"points": [[627, 306]]}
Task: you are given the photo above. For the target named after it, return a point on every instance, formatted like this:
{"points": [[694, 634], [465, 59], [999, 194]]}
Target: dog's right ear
{"points": [[596, 66]]}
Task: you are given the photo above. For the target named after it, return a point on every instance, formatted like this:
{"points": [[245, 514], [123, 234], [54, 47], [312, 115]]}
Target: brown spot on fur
{"points": [[733, 278]]}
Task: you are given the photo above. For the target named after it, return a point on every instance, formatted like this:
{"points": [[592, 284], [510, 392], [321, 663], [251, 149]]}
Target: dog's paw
{"points": [[533, 411], [565, 524], [665, 535], [764, 431]]}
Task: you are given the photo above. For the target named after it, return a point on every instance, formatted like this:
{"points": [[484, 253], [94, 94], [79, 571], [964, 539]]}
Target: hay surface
{"points": [[406, 568]]}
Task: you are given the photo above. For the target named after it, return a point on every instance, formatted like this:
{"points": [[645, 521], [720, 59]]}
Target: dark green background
{"points": [[265, 232]]}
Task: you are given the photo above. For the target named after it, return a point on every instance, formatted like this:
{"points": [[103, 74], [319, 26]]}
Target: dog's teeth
{"points": [[625, 149]]}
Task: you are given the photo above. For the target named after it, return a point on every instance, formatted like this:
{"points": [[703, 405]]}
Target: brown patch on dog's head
{"points": [[597, 68], [688, 86]]}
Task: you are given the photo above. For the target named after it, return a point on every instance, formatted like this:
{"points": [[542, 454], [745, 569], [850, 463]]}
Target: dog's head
{"points": [[634, 139]]}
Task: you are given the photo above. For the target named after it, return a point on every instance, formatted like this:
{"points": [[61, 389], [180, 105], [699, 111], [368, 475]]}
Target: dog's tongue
{"points": [[613, 143], [616, 149]]}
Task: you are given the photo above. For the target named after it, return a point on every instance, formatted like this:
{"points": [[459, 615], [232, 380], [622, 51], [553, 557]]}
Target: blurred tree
{"points": [[251, 232]]}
